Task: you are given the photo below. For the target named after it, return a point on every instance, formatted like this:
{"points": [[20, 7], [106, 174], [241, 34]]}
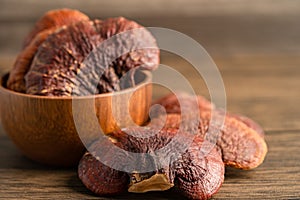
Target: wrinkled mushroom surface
{"points": [[240, 139], [47, 25], [196, 174]]}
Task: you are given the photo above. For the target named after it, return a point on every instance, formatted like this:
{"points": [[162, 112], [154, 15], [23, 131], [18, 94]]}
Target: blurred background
{"points": [[255, 44], [222, 27]]}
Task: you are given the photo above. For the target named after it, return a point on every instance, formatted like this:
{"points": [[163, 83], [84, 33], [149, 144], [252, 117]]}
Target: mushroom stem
{"points": [[156, 182]]}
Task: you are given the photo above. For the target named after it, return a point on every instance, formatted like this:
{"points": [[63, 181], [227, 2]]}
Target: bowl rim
{"points": [[147, 80]]}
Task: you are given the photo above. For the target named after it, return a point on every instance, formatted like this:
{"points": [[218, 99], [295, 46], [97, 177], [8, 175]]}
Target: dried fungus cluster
{"points": [[196, 176], [194, 173], [68, 54]]}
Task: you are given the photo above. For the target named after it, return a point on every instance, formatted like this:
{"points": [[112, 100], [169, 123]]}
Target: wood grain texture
{"points": [[277, 178], [272, 102], [220, 35], [21, 10]]}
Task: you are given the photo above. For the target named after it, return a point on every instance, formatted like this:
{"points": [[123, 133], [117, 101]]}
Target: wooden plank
{"points": [[31, 9], [219, 35], [277, 178]]}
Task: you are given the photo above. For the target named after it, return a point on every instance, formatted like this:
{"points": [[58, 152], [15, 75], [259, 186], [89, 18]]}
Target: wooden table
{"points": [[260, 83], [266, 97]]}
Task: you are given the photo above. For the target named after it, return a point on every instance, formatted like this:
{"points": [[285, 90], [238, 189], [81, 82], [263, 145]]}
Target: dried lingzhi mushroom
{"points": [[172, 105], [101, 179], [240, 139], [48, 24], [69, 55], [195, 174]]}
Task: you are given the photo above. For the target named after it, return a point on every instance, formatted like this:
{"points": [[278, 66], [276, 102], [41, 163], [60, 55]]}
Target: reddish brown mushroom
{"points": [[171, 104], [248, 122], [101, 179], [48, 24], [241, 141], [54, 19], [196, 175], [62, 55], [66, 64]]}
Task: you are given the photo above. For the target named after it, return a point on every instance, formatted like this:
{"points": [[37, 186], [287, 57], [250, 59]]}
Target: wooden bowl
{"points": [[44, 128]]}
